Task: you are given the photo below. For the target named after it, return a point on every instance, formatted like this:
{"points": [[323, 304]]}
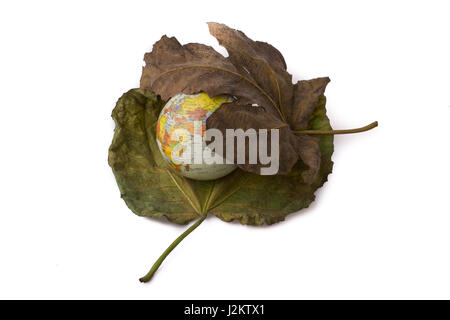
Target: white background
{"points": [[380, 228]]}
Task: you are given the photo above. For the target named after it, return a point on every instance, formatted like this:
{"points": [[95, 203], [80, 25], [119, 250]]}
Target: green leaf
{"points": [[151, 188]]}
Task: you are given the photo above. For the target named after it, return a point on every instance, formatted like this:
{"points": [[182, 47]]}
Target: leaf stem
{"points": [[362, 129], [177, 241]]}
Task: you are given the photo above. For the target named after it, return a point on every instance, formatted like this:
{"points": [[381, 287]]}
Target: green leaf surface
{"points": [[151, 188]]}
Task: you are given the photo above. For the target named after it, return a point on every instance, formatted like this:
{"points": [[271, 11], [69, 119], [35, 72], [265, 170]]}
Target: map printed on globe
{"points": [[175, 131]]}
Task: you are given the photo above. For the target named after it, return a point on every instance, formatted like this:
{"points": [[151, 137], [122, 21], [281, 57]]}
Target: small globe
{"points": [[182, 116]]}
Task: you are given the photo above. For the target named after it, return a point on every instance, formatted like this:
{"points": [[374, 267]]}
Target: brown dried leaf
{"points": [[255, 73]]}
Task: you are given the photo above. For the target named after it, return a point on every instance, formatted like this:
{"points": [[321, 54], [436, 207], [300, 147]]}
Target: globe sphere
{"points": [[183, 117]]}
